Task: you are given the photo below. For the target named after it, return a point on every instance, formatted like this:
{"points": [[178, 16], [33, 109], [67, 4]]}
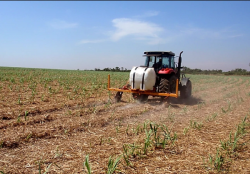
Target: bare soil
{"points": [[62, 132]]}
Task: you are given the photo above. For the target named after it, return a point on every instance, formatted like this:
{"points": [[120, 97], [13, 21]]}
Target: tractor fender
{"points": [[184, 81]]}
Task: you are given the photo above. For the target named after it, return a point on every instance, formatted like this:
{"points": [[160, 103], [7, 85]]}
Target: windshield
{"points": [[167, 62]]}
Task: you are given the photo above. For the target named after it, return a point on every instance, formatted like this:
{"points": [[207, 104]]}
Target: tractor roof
{"points": [[159, 53]]}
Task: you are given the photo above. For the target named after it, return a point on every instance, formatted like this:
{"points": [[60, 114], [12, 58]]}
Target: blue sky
{"points": [[87, 35]]}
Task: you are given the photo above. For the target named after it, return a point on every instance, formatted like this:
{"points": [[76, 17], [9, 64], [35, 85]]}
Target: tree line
{"points": [[116, 69], [186, 70], [237, 71]]}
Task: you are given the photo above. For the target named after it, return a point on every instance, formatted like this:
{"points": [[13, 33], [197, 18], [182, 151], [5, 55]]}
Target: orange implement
{"points": [[148, 92]]}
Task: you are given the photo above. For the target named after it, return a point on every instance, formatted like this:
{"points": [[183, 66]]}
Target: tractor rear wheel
{"points": [[172, 84], [186, 91], [164, 86]]}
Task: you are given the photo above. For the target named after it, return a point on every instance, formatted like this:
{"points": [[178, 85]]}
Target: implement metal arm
{"points": [[147, 92]]}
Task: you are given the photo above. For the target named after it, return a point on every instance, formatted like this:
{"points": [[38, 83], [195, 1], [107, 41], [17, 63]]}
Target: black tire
{"points": [[172, 84], [164, 85], [186, 91]]}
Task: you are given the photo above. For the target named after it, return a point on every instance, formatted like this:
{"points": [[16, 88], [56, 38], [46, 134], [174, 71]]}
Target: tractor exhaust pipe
{"points": [[179, 66]]}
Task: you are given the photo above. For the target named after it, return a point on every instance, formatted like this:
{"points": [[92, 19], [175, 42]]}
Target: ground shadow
{"points": [[174, 102], [155, 101], [122, 101], [188, 101], [159, 102]]}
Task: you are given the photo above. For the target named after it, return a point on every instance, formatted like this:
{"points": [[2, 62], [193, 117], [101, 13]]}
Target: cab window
{"points": [[172, 62], [149, 61], [165, 62]]}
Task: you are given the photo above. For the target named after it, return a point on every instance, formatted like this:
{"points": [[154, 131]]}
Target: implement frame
{"points": [[147, 92]]}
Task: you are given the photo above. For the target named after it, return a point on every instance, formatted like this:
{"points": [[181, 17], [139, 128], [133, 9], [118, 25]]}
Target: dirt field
{"points": [[51, 119]]}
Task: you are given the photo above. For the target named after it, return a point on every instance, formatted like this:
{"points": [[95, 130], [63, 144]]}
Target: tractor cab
{"points": [[160, 60]]}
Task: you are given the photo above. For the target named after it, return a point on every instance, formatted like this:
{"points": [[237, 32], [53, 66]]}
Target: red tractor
{"points": [[160, 76]]}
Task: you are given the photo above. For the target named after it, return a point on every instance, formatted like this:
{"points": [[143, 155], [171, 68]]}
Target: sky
{"points": [[86, 35]]}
